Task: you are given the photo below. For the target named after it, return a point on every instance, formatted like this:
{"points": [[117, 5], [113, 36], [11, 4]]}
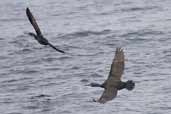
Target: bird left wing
{"points": [[108, 94], [33, 21]]}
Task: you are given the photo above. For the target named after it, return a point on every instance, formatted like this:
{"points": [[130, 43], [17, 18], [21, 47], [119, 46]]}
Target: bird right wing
{"points": [[117, 67], [33, 21], [61, 51], [108, 94], [118, 64]]}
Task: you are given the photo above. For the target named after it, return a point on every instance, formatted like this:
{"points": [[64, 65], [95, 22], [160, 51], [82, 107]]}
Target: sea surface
{"points": [[35, 79]]}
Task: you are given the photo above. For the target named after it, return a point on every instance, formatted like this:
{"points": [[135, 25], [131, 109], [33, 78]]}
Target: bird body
{"points": [[38, 36], [114, 83]]}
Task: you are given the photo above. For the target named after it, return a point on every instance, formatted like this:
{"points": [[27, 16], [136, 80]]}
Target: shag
{"points": [[38, 36], [114, 83]]}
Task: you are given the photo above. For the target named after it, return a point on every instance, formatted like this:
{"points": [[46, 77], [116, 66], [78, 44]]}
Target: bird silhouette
{"points": [[114, 83], [38, 36]]}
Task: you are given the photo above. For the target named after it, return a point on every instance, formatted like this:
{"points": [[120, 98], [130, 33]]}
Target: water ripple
{"points": [[37, 80]]}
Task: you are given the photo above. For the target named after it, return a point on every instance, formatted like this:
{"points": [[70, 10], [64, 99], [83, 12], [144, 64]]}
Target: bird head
{"points": [[130, 85]]}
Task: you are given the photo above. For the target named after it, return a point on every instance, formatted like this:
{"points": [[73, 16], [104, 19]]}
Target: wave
{"points": [[132, 9], [87, 33]]}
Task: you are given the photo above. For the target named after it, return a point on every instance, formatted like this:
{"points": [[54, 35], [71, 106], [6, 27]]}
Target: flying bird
{"points": [[38, 36], [113, 82]]}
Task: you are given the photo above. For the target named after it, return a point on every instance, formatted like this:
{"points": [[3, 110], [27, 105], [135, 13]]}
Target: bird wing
{"points": [[61, 51], [117, 66], [108, 94], [114, 77], [33, 21]]}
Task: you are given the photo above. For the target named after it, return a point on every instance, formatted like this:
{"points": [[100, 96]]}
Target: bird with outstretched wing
{"points": [[113, 82], [38, 36]]}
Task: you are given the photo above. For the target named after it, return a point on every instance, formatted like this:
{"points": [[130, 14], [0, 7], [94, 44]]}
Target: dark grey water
{"points": [[37, 80]]}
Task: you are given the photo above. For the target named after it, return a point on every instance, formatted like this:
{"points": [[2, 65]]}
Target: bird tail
{"points": [[130, 85], [56, 48], [95, 85]]}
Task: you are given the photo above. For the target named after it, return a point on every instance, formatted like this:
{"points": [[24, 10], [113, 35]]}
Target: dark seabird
{"points": [[39, 37], [114, 83]]}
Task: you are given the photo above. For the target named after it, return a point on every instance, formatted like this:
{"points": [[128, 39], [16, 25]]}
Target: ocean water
{"points": [[35, 79]]}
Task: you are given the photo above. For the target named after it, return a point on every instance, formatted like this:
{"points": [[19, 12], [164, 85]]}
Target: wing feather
{"points": [[33, 21]]}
